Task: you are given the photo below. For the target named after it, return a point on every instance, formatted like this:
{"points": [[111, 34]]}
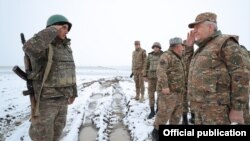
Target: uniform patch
{"points": [[162, 62]]}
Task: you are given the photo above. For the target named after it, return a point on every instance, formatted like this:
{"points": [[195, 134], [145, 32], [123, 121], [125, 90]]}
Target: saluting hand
{"points": [[58, 27], [190, 38]]}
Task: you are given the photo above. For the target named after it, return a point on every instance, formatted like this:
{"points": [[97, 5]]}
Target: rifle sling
{"points": [[45, 76]]}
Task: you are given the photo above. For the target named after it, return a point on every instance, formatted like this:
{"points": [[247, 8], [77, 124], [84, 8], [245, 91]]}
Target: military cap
{"points": [[137, 42], [156, 44], [174, 41], [207, 16]]}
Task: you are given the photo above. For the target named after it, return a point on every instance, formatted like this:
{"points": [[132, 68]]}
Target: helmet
{"points": [[156, 44], [58, 20]]}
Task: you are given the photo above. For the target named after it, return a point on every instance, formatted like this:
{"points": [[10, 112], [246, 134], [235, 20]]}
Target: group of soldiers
{"points": [[211, 83]]}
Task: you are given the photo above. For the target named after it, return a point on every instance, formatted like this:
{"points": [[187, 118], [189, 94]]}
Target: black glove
{"points": [[131, 75]]}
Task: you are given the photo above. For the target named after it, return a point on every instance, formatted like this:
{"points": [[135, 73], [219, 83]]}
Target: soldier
{"points": [[138, 60], [149, 74], [217, 82], [59, 89], [170, 86]]}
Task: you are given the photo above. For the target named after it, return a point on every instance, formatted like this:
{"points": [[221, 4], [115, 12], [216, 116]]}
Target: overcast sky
{"points": [[104, 31]]}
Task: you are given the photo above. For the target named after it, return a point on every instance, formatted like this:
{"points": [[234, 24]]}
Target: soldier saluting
{"points": [[53, 78], [217, 82]]}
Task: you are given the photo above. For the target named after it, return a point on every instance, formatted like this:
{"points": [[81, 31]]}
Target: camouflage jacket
{"points": [[217, 73], [150, 66], [187, 55], [171, 72], [61, 80], [138, 60]]}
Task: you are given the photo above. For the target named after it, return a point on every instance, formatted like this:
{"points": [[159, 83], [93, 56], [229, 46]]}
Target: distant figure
{"points": [[138, 60], [149, 75], [55, 92], [218, 79], [170, 86]]}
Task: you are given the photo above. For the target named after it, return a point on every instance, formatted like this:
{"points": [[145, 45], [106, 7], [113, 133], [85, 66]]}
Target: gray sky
{"points": [[104, 31]]}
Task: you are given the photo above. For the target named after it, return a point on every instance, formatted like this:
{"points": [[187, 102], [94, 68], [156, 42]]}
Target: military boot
{"points": [[184, 119], [142, 98], [152, 113], [156, 109], [155, 135], [192, 119], [136, 97]]}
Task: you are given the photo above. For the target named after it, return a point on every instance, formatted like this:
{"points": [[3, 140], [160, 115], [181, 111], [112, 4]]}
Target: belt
{"points": [[53, 98]]}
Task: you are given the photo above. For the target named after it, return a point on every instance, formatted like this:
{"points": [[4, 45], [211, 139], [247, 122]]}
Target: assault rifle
{"points": [[24, 76], [131, 75]]}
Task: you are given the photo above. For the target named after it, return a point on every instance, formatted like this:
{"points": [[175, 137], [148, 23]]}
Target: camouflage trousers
{"points": [[169, 109], [185, 103], [210, 114], [139, 83], [151, 91], [49, 125], [246, 115], [246, 110]]}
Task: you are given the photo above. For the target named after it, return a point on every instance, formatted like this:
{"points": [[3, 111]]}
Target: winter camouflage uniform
{"points": [[170, 74], [217, 79], [59, 86], [138, 60], [150, 72]]}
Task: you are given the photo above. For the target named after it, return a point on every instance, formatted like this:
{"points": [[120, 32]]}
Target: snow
{"points": [[105, 99]]}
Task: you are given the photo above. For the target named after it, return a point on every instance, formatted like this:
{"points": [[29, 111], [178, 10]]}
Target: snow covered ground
{"points": [[105, 104]]}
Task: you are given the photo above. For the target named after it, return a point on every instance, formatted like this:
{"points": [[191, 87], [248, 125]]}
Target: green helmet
{"points": [[156, 44], [58, 20]]}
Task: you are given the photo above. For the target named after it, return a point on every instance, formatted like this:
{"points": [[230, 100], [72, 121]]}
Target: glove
{"points": [[131, 75]]}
